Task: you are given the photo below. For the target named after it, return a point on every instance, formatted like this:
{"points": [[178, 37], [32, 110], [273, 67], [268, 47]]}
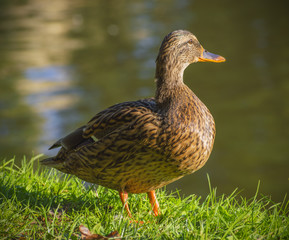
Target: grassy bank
{"points": [[38, 204]]}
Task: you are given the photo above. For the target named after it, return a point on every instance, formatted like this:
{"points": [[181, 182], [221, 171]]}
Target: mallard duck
{"points": [[140, 146]]}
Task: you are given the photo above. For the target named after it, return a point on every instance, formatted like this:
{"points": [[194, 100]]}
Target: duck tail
{"points": [[47, 161], [51, 162]]}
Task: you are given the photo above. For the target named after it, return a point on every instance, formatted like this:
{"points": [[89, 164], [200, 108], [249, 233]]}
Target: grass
{"points": [[43, 204]]}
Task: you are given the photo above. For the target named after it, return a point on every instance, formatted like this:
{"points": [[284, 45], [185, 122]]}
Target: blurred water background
{"points": [[63, 61]]}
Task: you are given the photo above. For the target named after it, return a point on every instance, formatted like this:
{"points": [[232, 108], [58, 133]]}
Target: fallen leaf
{"points": [[86, 234], [84, 230], [114, 234]]}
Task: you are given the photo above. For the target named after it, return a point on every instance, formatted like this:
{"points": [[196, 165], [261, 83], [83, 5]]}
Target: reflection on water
{"points": [[48, 90], [62, 62]]}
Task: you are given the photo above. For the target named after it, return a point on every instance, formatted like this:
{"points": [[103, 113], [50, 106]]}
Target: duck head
{"points": [[178, 50]]}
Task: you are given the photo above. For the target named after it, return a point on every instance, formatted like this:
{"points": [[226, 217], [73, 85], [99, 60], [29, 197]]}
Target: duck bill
{"points": [[210, 57]]}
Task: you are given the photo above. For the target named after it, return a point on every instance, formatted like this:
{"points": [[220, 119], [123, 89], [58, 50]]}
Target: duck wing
{"points": [[107, 121], [126, 139], [117, 116]]}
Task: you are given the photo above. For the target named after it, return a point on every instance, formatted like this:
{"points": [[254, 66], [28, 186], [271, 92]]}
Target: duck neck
{"points": [[170, 85]]}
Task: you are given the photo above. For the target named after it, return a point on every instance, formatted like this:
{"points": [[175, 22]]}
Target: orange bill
{"points": [[210, 57]]}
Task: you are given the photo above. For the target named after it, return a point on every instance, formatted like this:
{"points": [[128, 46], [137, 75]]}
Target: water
{"points": [[62, 62]]}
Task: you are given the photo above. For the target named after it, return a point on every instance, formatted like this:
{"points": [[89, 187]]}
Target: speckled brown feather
{"points": [[143, 145]]}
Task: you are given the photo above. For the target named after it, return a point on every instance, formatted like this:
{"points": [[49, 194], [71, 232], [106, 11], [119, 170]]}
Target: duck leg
{"points": [[124, 197], [154, 202]]}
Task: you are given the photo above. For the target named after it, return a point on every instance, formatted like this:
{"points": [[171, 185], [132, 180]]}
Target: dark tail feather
{"points": [[71, 140], [56, 145]]}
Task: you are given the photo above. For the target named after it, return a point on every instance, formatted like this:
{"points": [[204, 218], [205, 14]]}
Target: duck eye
{"points": [[190, 41]]}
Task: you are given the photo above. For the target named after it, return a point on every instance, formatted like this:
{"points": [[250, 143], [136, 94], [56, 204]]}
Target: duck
{"points": [[140, 146]]}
